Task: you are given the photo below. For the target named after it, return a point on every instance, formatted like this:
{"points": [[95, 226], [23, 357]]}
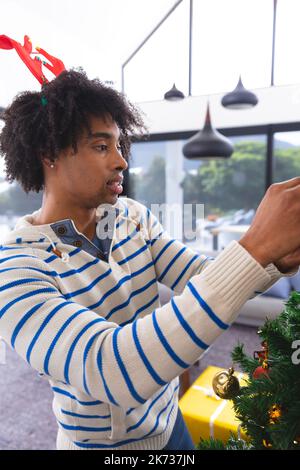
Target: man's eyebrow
{"points": [[102, 135]]}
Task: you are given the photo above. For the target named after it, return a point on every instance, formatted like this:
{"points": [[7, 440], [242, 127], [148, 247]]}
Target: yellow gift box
{"points": [[205, 414]]}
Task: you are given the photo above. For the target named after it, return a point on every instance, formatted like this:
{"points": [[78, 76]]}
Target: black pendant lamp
{"points": [[174, 94], [207, 143], [239, 98]]}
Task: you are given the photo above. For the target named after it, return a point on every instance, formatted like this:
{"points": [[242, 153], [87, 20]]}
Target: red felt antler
{"points": [[34, 64]]}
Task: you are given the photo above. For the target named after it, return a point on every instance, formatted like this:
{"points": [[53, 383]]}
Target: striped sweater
{"points": [[96, 331]]}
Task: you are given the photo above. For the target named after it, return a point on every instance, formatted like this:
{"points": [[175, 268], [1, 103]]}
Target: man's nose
{"points": [[119, 161]]}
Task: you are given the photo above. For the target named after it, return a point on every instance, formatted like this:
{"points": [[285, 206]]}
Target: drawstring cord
{"points": [[64, 256]]}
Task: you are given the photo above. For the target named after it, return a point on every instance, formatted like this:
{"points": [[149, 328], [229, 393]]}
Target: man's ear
{"points": [[48, 162]]}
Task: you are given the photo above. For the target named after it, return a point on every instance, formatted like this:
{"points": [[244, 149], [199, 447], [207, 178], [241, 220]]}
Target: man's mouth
{"points": [[115, 185]]}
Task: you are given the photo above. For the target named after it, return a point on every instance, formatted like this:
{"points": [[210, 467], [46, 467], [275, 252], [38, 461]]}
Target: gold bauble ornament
{"points": [[225, 384]]}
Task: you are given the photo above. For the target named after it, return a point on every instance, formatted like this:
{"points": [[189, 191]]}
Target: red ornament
{"points": [[262, 357], [260, 371]]}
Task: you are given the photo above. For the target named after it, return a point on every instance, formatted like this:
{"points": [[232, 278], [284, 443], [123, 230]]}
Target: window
{"points": [[230, 189], [155, 172], [287, 69], [14, 202], [148, 173], [162, 61], [230, 38], [213, 201], [286, 155]]}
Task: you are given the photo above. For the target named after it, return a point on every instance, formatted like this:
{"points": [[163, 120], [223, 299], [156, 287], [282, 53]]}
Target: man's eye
{"points": [[102, 147]]}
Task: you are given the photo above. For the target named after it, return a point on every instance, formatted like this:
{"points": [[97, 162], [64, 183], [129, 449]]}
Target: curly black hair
{"points": [[42, 124]]}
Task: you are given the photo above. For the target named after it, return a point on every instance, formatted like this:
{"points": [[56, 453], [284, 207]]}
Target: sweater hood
{"points": [[24, 232]]}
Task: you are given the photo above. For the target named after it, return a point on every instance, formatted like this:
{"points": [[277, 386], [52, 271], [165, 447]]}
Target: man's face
{"points": [[93, 175]]}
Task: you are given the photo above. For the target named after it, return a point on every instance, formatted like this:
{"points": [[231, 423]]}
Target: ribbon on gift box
{"points": [[211, 394]]}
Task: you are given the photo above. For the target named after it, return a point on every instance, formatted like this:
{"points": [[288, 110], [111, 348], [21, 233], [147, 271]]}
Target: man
{"points": [[82, 309]]}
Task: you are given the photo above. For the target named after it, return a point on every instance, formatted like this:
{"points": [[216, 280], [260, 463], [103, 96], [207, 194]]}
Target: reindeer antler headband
{"points": [[56, 66]]}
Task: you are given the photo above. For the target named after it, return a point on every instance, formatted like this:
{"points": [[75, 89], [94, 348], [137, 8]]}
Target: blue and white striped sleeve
{"points": [[174, 262]]}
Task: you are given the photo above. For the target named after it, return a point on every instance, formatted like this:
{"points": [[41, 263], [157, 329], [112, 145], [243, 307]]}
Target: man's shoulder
{"points": [[15, 249], [19, 255], [132, 208]]}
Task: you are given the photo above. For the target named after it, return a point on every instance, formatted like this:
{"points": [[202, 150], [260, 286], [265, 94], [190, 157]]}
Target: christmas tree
{"points": [[269, 405]]}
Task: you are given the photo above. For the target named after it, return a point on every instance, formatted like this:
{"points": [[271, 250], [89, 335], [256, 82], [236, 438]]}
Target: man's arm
{"points": [[175, 263], [121, 365]]}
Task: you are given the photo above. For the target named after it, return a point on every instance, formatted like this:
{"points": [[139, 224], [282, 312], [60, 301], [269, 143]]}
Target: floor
{"points": [[27, 420]]}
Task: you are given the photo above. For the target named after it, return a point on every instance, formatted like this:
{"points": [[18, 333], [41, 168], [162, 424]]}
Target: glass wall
{"points": [[286, 155], [227, 192], [155, 173], [162, 61], [216, 199], [147, 172], [230, 38], [287, 70], [230, 190], [14, 202]]}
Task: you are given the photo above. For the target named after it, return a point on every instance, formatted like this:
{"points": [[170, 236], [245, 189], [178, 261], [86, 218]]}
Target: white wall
{"points": [[276, 105]]}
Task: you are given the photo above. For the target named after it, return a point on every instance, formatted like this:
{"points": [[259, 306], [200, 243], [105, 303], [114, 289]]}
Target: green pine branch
{"points": [[233, 443], [281, 387]]}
